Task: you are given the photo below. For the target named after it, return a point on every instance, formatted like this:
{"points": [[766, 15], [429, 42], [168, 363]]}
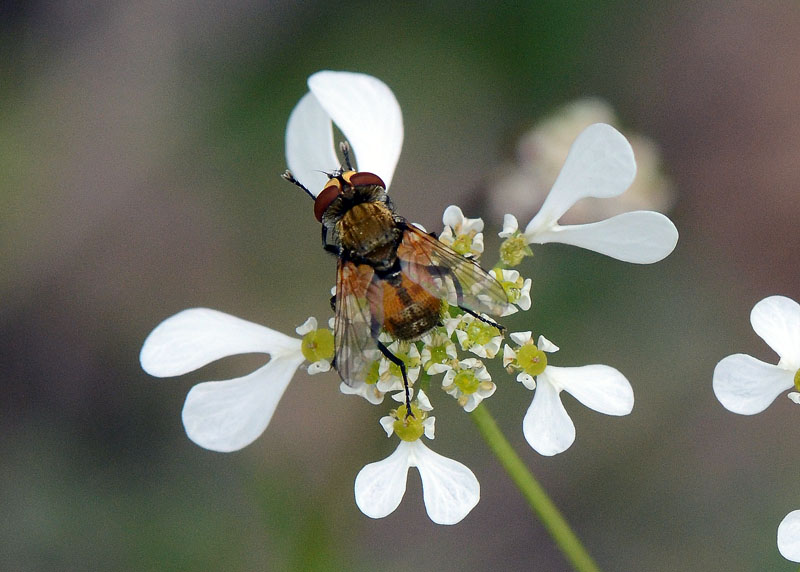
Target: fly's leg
{"points": [[399, 363], [492, 323]]}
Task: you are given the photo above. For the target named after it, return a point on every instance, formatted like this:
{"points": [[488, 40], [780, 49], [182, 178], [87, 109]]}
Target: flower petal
{"points": [[600, 164], [193, 338], [789, 536], [642, 237], [598, 387], [450, 489], [368, 114], [228, 415], [746, 385], [380, 486], [546, 426], [309, 144], [777, 320]]}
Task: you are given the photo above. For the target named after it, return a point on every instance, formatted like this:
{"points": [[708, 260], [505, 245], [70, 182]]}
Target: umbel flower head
{"points": [[228, 415], [746, 385]]}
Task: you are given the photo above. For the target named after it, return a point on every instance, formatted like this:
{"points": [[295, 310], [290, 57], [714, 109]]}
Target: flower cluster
{"points": [[228, 415], [746, 385]]}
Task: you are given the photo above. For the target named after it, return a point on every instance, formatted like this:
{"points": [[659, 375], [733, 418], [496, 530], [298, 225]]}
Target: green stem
{"points": [[536, 496]]}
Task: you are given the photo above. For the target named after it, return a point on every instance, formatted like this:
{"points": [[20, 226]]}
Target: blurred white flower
{"points": [[746, 385], [547, 426], [449, 489], [225, 415], [789, 536], [521, 187], [600, 164]]}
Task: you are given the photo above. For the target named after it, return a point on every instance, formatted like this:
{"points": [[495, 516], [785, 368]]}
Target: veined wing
{"points": [[448, 275], [356, 349]]}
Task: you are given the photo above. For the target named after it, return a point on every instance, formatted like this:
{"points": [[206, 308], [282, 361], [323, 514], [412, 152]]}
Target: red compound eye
{"points": [[326, 197], [361, 178]]}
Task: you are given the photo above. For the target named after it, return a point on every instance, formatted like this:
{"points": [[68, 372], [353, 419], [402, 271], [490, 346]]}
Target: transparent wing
{"points": [[448, 275], [356, 349]]}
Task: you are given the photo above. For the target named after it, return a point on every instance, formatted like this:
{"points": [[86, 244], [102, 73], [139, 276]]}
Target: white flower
{"points": [[517, 289], [469, 382], [462, 234], [547, 426], [600, 164], [476, 336], [449, 489], [438, 351], [789, 536], [366, 112], [222, 415], [321, 363], [746, 385]]}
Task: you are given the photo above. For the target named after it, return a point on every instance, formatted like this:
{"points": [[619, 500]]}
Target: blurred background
{"points": [[140, 151]]}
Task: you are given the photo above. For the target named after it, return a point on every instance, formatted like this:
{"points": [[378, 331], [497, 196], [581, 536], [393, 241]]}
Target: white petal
{"points": [[309, 144], [789, 536], [423, 402], [600, 164], [777, 320], [510, 226], [520, 338], [598, 387], [196, 337], [228, 415], [368, 114], [641, 237], [453, 217], [308, 326], [450, 489], [546, 426], [366, 390], [746, 385], [546, 345], [380, 486]]}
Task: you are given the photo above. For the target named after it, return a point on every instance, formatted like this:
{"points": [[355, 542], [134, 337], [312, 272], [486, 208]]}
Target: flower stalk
{"points": [[555, 523]]}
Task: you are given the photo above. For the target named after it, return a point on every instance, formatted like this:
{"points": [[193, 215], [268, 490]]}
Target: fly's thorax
{"points": [[368, 232]]}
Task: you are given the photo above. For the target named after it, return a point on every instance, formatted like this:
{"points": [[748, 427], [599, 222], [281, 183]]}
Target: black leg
{"points": [[399, 363]]}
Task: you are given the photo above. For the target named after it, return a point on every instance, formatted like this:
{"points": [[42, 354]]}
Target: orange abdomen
{"points": [[409, 311]]}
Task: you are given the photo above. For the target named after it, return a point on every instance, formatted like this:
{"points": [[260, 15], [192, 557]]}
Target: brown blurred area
{"points": [[141, 147]]}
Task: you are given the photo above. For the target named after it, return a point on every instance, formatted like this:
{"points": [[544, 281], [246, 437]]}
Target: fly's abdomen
{"points": [[409, 311]]}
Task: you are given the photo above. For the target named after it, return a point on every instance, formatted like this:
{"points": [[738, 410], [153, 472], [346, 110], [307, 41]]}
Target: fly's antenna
{"points": [[344, 147], [287, 175]]}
